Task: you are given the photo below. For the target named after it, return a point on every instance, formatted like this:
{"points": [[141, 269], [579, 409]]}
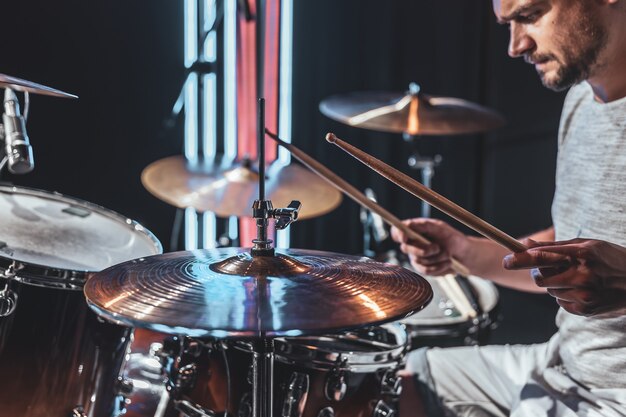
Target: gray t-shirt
{"points": [[590, 202]]}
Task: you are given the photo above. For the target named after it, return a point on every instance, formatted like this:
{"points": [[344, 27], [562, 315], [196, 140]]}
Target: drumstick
{"points": [[359, 197], [453, 290], [434, 199]]}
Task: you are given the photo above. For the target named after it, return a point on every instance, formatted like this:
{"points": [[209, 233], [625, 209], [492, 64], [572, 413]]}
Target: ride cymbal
{"points": [[229, 293], [18, 84], [231, 190], [414, 113]]}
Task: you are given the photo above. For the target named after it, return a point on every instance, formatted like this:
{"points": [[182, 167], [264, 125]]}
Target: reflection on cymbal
{"points": [[414, 113], [231, 190], [18, 84], [229, 293]]}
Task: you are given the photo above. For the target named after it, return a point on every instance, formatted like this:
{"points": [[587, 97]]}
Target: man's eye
{"points": [[528, 18]]}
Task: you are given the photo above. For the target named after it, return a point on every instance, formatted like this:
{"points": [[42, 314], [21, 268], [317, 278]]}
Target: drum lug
{"points": [[78, 412], [193, 349], [124, 386], [245, 406], [186, 377], [297, 393], [382, 409], [326, 412], [189, 409], [336, 386], [8, 297], [391, 384]]}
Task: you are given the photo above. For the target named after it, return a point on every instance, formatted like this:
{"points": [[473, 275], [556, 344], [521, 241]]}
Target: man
{"points": [[580, 260]]}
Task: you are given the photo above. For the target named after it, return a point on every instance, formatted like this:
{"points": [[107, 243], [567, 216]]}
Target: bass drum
{"points": [[57, 357]]}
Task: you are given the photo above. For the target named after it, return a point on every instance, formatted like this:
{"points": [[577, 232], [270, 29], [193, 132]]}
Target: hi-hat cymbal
{"points": [[229, 293], [414, 113], [18, 84], [231, 190]]}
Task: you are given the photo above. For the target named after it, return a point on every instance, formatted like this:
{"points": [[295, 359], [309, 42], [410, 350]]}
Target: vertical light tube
{"points": [[209, 238], [191, 32], [190, 100], [233, 228], [191, 117], [283, 237], [210, 13], [230, 80], [209, 134], [191, 229], [285, 87]]}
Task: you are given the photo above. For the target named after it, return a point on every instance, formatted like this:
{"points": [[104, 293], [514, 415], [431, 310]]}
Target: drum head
{"points": [[441, 312], [49, 229]]}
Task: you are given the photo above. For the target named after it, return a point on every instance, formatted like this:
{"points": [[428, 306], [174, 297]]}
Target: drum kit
{"points": [[241, 331]]}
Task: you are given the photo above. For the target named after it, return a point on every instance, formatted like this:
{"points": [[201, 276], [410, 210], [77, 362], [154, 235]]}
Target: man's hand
{"points": [[433, 259], [587, 277]]}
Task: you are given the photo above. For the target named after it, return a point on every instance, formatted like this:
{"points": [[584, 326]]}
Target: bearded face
{"points": [[563, 39]]}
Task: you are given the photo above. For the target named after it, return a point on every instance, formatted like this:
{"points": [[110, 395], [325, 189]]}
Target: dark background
{"points": [[124, 60]]}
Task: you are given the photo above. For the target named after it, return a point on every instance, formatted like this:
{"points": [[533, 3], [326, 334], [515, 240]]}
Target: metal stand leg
{"points": [[427, 167], [262, 377]]}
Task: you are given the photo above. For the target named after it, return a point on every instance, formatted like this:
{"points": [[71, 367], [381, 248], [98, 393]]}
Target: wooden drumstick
{"points": [[431, 197], [359, 197]]}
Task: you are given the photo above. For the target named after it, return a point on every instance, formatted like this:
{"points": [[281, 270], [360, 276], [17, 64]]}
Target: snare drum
{"points": [[352, 374], [443, 323], [57, 357]]}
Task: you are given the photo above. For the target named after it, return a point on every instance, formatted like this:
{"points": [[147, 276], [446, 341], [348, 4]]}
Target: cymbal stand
{"points": [[426, 165], [263, 346]]}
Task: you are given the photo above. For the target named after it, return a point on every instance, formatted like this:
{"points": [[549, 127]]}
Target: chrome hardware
{"points": [[124, 386], [188, 409], [78, 412], [8, 301], [326, 412], [245, 406], [297, 393], [193, 348], [8, 297], [336, 386], [186, 377], [391, 384], [155, 349], [383, 410], [288, 215]]}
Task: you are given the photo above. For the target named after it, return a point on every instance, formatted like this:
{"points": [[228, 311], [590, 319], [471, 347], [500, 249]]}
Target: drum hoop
{"points": [[46, 276], [315, 357]]}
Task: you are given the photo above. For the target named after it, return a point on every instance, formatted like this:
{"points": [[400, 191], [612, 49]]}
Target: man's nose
{"points": [[520, 42]]}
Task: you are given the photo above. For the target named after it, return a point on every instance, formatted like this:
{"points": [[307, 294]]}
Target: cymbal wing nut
{"points": [[288, 215]]}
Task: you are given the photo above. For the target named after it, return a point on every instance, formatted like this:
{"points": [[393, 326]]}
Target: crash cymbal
{"points": [[18, 84], [229, 293], [414, 113], [231, 190]]}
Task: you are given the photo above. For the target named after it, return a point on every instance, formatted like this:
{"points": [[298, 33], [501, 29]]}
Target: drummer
{"points": [[580, 260]]}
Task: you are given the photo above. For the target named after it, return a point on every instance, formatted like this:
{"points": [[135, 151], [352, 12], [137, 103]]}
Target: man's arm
{"points": [[488, 262], [482, 256]]}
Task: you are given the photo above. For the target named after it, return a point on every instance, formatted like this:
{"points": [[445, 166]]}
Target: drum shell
{"points": [[362, 365], [56, 355]]}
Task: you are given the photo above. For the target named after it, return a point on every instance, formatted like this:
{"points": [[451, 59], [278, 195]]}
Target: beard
{"points": [[587, 40]]}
